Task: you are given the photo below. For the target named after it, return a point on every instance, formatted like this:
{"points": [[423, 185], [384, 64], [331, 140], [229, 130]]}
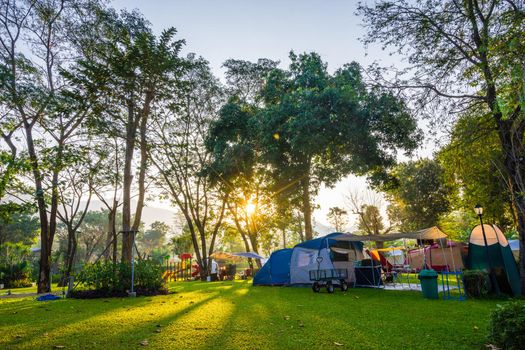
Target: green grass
{"points": [[27, 290], [235, 315]]}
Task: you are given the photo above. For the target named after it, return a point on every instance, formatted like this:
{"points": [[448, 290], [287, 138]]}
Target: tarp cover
{"points": [[433, 233]]}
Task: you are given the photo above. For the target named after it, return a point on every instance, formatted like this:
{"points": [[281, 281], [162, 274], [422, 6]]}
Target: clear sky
{"points": [[244, 29]]}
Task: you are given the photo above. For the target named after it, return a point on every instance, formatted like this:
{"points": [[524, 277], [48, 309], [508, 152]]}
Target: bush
{"points": [[105, 279], [507, 326], [15, 275], [476, 283]]}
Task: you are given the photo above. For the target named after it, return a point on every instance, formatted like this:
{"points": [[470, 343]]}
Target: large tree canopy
{"points": [[313, 128]]}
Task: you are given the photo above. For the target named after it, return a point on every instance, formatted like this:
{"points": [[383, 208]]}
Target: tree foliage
{"points": [[420, 195]]}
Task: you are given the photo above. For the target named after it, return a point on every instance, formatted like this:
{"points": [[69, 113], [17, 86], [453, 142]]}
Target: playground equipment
{"points": [[181, 270]]}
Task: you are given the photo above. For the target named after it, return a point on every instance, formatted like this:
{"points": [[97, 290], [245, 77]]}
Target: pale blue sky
{"points": [[243, 29]]}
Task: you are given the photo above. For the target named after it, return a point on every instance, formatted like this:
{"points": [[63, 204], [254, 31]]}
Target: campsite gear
{"points": [[335, 254], [429, 285], [327, 277], [445, 284], [498, 250], [368, 273], [276, 271], [47, 297], [439, 258]]}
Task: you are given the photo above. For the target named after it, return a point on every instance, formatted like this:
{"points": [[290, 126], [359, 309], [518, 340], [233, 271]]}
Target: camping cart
{"points": [[326, 278]]}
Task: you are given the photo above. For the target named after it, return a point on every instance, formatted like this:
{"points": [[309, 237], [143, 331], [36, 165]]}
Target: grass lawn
{"points": [[235, 315], [27, 290]]}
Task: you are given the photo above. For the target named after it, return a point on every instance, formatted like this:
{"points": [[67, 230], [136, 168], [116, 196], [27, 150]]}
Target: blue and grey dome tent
{"points": [[292, 266], [276, 271], [335, 254]]}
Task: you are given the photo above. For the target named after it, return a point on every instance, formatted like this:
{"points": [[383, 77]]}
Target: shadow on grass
{"points": [[113, 326], [226, 315], [26, 319]]}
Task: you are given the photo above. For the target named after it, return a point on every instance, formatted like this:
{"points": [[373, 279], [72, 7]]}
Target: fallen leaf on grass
{"points": [[144, 343], [18, 336], [476, 328], [492, 347], [286, 318], [59, 346], [158, 330], [338, 344]]}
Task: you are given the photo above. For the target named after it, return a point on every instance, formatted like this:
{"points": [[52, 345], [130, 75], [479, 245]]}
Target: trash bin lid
{"points": [[428, 273]]}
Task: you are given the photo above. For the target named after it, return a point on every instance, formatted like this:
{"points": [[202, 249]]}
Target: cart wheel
{"points": [[330, 288], [316, 287], [344, 286]]}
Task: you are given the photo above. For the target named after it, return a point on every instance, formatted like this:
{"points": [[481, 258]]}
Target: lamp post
{"points": [[479, 212]]}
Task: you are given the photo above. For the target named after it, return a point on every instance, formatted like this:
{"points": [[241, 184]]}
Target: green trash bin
{"points": [[429, 285]]}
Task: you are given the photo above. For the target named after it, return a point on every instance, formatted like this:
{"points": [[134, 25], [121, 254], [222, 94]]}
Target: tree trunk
{"points": [[247, 248], [127, 236], [513, 150], [307, 208], [70, 256], [143, 163], [110, 234], [44, 278]]}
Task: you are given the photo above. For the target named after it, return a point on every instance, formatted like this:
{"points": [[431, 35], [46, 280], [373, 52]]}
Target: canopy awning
{"points": [[249, 255], [427, 233], [235, 256]]}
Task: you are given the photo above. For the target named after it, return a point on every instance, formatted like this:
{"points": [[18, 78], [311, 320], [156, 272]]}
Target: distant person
{"points": [[214, 269]]}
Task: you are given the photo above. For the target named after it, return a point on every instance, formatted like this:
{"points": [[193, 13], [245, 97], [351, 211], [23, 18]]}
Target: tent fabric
{"points": [[492, 233], [439, 258], [276, 271], [334, 253], [431, 233], [321, 242], [499, 253]]}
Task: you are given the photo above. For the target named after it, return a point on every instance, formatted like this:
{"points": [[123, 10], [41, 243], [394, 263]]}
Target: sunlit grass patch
{"points": [[235, 315]]}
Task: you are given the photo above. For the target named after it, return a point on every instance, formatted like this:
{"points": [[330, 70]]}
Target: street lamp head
{"points": [[478, 209]]}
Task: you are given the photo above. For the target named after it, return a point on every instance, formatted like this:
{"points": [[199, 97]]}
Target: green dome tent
{"points": [[499, 252]]}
